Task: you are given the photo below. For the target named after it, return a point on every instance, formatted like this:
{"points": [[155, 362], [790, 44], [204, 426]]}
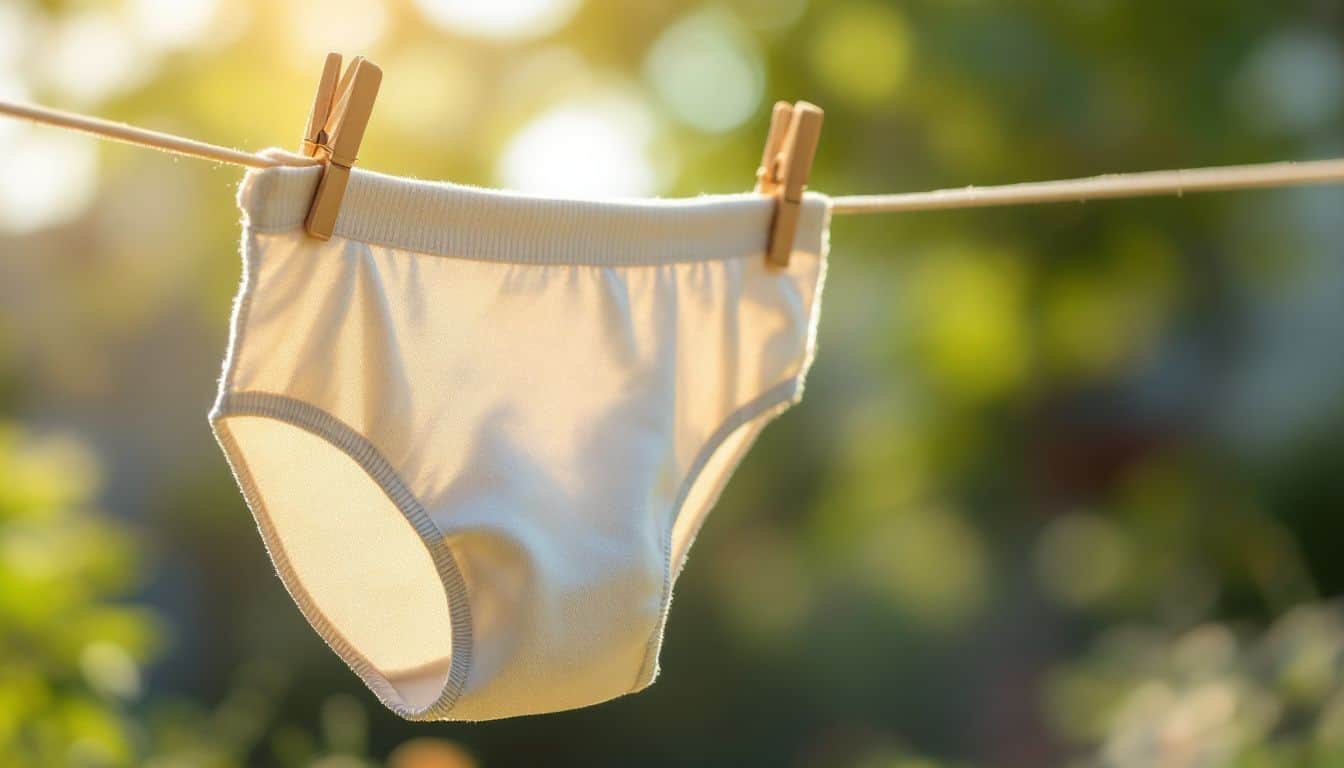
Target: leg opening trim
{"points": [[360, 450]]}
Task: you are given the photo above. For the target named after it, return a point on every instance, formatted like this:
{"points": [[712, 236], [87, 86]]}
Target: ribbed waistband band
{"points": [[491, 225]]}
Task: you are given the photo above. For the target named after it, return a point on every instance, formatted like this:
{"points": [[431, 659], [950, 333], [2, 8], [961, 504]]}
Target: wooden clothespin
{"points": [[315, 134], [335, 129], [790, 146]]}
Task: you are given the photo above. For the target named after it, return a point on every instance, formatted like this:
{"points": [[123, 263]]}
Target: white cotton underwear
{"points": [[479, 430]]}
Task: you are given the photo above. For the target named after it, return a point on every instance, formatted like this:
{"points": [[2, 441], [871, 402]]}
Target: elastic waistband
{"points": [[492, 225]]}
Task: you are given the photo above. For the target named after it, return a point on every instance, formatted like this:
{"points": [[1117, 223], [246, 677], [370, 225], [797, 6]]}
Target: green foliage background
{"points": [[1065, 488]]}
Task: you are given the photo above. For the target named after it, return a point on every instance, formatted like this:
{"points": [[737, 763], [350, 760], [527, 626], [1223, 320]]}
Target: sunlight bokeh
{"points": [[597, 148], [1064, 488], [1293, 81], [432, 114], [174, 24], [336, 25], [708, 71], [93, 56], [46, 177], [499, 19], [16, 35]]}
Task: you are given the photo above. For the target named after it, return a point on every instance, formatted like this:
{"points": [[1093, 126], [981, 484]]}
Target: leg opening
{"points": [[705, 480], [358, 557], [702, 494], [717, 461]]}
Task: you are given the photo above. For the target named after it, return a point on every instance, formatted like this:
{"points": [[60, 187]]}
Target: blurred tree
{"points": [[1028, 431], [71, 657], [1210, 696]]}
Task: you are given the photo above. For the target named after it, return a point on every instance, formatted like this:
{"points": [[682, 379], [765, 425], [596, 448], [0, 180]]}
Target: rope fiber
{"points": [[1114, 186], [129, 134]]}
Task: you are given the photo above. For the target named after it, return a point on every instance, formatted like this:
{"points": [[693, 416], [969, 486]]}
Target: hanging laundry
{"points": [[480, 430]]}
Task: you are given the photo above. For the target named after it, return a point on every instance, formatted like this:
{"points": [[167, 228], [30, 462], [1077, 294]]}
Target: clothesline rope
{"points": [[1113, 186], [129, 134]]}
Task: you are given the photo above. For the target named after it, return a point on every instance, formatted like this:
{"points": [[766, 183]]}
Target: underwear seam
{"points": [[359, 449], [784, 393]]}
